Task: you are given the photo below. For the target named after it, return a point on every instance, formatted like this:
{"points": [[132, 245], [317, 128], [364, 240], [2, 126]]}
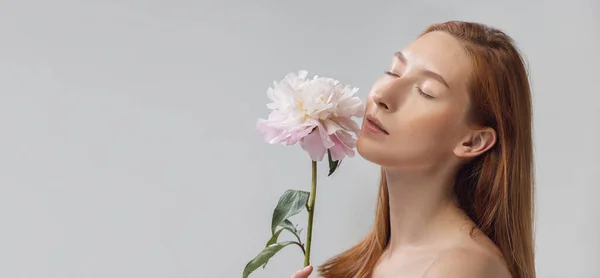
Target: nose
{"points": [[390, 96], [380, 101]]}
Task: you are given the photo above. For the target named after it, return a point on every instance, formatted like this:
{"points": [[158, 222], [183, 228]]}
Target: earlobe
{"points": [[476, 143]]}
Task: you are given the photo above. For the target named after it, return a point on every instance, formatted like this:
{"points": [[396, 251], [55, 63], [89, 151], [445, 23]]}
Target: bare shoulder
{"points": [[467, 263]]}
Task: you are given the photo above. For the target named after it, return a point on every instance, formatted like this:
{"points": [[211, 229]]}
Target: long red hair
{"points": [[495, 189]]}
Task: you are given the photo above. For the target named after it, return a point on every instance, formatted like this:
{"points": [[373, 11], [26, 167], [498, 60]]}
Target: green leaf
{"points": [[333, 164], [285, 225], [289, 225], [271, 241], [264, 256], [274, 238], [291, 203]]}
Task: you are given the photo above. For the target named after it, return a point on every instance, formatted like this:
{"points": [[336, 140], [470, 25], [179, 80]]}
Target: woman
{"points": [[450, 125]]}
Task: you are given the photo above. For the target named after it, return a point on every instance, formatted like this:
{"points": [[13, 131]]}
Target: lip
{"points": [[374, 125]]}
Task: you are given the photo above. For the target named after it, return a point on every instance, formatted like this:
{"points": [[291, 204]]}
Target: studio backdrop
{"points": [[129, 145]]}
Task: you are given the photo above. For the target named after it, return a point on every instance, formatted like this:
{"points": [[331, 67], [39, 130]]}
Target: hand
{"points": [[303, 273]]}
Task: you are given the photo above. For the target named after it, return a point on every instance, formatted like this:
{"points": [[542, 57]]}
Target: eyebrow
{"points": [[429, 73]]}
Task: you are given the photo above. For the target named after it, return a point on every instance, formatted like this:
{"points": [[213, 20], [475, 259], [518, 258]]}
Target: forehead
{"points": [[440, 52]]}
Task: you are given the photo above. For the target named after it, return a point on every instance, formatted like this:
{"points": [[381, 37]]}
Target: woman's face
{"points": [[421, 104]]}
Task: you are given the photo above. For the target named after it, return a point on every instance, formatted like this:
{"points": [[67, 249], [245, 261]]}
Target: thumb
{"points": [[303, 273]]}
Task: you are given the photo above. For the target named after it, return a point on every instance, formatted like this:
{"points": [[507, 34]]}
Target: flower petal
{"points": [[344, 146], [313, 144], [347, 124], [327, 142], [268, 132], [296, 135], [331, 126]]}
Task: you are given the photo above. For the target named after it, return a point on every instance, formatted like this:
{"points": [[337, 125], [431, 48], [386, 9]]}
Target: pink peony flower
{"points": [[316, 113]]}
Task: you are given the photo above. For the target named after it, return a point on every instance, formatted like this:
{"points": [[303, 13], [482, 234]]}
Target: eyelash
{"points": [[424, 94], [418, 88], [391, 73]]}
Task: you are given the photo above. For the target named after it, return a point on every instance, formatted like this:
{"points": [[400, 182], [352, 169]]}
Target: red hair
{"points": [[495, 189]]}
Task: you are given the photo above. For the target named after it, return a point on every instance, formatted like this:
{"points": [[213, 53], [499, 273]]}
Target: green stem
{"points": [[311, 213]]}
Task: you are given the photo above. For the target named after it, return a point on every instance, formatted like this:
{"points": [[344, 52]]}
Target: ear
{"points": [[476, 143]]}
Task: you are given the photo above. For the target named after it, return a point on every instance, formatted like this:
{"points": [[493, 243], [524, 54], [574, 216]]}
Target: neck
{"points": [[421, 206]]}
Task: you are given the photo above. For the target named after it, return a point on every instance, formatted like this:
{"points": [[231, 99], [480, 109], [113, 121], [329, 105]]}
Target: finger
{"points": [[303, 273]]}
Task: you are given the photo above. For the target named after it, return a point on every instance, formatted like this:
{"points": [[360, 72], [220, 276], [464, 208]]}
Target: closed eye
{"points": [[425, 95], [421, 92], [392, 74]]}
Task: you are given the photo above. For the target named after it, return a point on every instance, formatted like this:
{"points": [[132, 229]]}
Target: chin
{"points": [[389, 156], [373, 151]]}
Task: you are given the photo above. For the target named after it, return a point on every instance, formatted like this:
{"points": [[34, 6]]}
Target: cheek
{"points": [[430, 127]]}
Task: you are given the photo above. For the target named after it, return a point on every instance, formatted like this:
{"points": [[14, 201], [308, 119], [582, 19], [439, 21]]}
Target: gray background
{"points": [[129, 149]]}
